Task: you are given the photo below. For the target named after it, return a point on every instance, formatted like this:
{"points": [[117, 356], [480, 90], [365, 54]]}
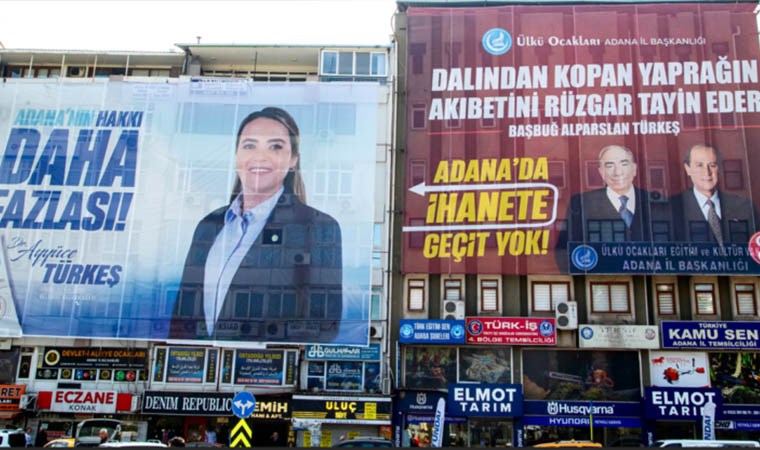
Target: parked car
{"points": [[704, 444], [365, 441], [570, 444], [141, 444], [60, 442], [88, 431], [12, 438]]}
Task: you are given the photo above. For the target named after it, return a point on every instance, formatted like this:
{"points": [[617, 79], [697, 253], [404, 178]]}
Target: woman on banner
{"points": [[265, 267]]}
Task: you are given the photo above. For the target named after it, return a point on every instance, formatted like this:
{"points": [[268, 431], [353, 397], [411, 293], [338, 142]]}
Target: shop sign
{"points": [[485, 400], [740, 412], [10, 396], [618, 336], [185, 364], [679, 369], [423, 331], [95, 358], [737, 425], [343, 353], [357, 410], [581, 408], [187, 403], [344, 376], [679, 403], [511, 331], [419, 402], [265, 367], [85, 402], [609, 422], [271, 408], [712, 335]]}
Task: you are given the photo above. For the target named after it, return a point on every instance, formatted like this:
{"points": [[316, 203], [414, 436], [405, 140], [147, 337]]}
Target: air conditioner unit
{"points": [[375, 331], [453, 309], [566, 314], [657, 197]]}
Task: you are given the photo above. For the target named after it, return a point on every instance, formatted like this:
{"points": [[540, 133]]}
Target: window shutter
{"points": [[416, 295], [542, 297], [666, 302], [619, 297], [490, 289], [600, 298], [745, 299], [560, 293]]}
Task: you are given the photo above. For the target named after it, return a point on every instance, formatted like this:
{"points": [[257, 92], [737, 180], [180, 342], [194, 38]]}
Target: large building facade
{"points": [[99, 317], [532, 297]]}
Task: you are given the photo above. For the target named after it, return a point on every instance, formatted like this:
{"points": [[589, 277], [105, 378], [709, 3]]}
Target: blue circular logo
{"points": [[406, 330], [474, 327], [587, 333], [243, 404], [457, 331], [584, 257], [497, 41], [546, 328]]}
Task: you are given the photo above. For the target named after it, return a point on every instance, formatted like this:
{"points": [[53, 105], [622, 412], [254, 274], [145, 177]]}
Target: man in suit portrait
{"points": [[617, 212], [707, 214]]}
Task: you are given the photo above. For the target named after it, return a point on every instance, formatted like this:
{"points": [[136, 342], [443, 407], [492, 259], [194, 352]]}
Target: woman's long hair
{"points": [[293, 182]]}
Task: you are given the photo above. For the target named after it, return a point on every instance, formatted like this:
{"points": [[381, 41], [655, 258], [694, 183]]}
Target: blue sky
{"points": [[158, 25]]}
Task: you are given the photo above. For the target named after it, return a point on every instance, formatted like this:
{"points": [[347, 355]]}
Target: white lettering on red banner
{"points": [[76, 401]]}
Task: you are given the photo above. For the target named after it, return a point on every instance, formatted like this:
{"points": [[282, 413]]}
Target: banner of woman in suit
{"points": [[186, 210], [582, 139]]}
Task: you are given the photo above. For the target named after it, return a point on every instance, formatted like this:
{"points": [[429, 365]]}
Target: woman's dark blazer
{"points": [[288, 287]]}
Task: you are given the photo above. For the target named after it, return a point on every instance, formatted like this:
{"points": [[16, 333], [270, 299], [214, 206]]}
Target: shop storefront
{"points": [[59, 411], [561, 388], [489, 410], [326, 420], [703, 356], [191, 415], [414, 414], [613, 422], [10, 403]]}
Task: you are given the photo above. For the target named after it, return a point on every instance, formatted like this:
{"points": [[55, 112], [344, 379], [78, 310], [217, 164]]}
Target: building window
{"points": [[452, 289], [371, 64], [416, 295], [666, 298], [545, 295], [376, 304], [745, 299], [605, 230], [704, 294], [610, 298], [489, 295], [733, 174], [418, 116]]}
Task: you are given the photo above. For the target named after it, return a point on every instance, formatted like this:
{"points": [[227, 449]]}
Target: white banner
{"points": [[679, 369], [619, 336], [78, 401], [440, 416]]}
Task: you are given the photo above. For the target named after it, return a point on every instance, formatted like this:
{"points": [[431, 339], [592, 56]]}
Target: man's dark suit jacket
{"points": [[590, 218], [592, 209], [288, 287], [738, 218]]}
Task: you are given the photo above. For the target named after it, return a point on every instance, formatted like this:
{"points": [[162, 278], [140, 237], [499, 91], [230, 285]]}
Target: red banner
{"points": [[511, 331], [582, 139]]}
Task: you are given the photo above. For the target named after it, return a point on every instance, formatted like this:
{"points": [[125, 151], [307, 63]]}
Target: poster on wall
{"points": [[602, 139], [736, 375], [679, 369], [581, 375], [119, 202]]}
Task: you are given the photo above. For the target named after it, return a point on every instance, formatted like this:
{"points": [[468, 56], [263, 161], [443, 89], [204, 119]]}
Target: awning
{"points": [[10, 414]]}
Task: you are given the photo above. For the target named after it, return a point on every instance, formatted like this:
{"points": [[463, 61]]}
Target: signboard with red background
{"points": [[508, 108]]}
